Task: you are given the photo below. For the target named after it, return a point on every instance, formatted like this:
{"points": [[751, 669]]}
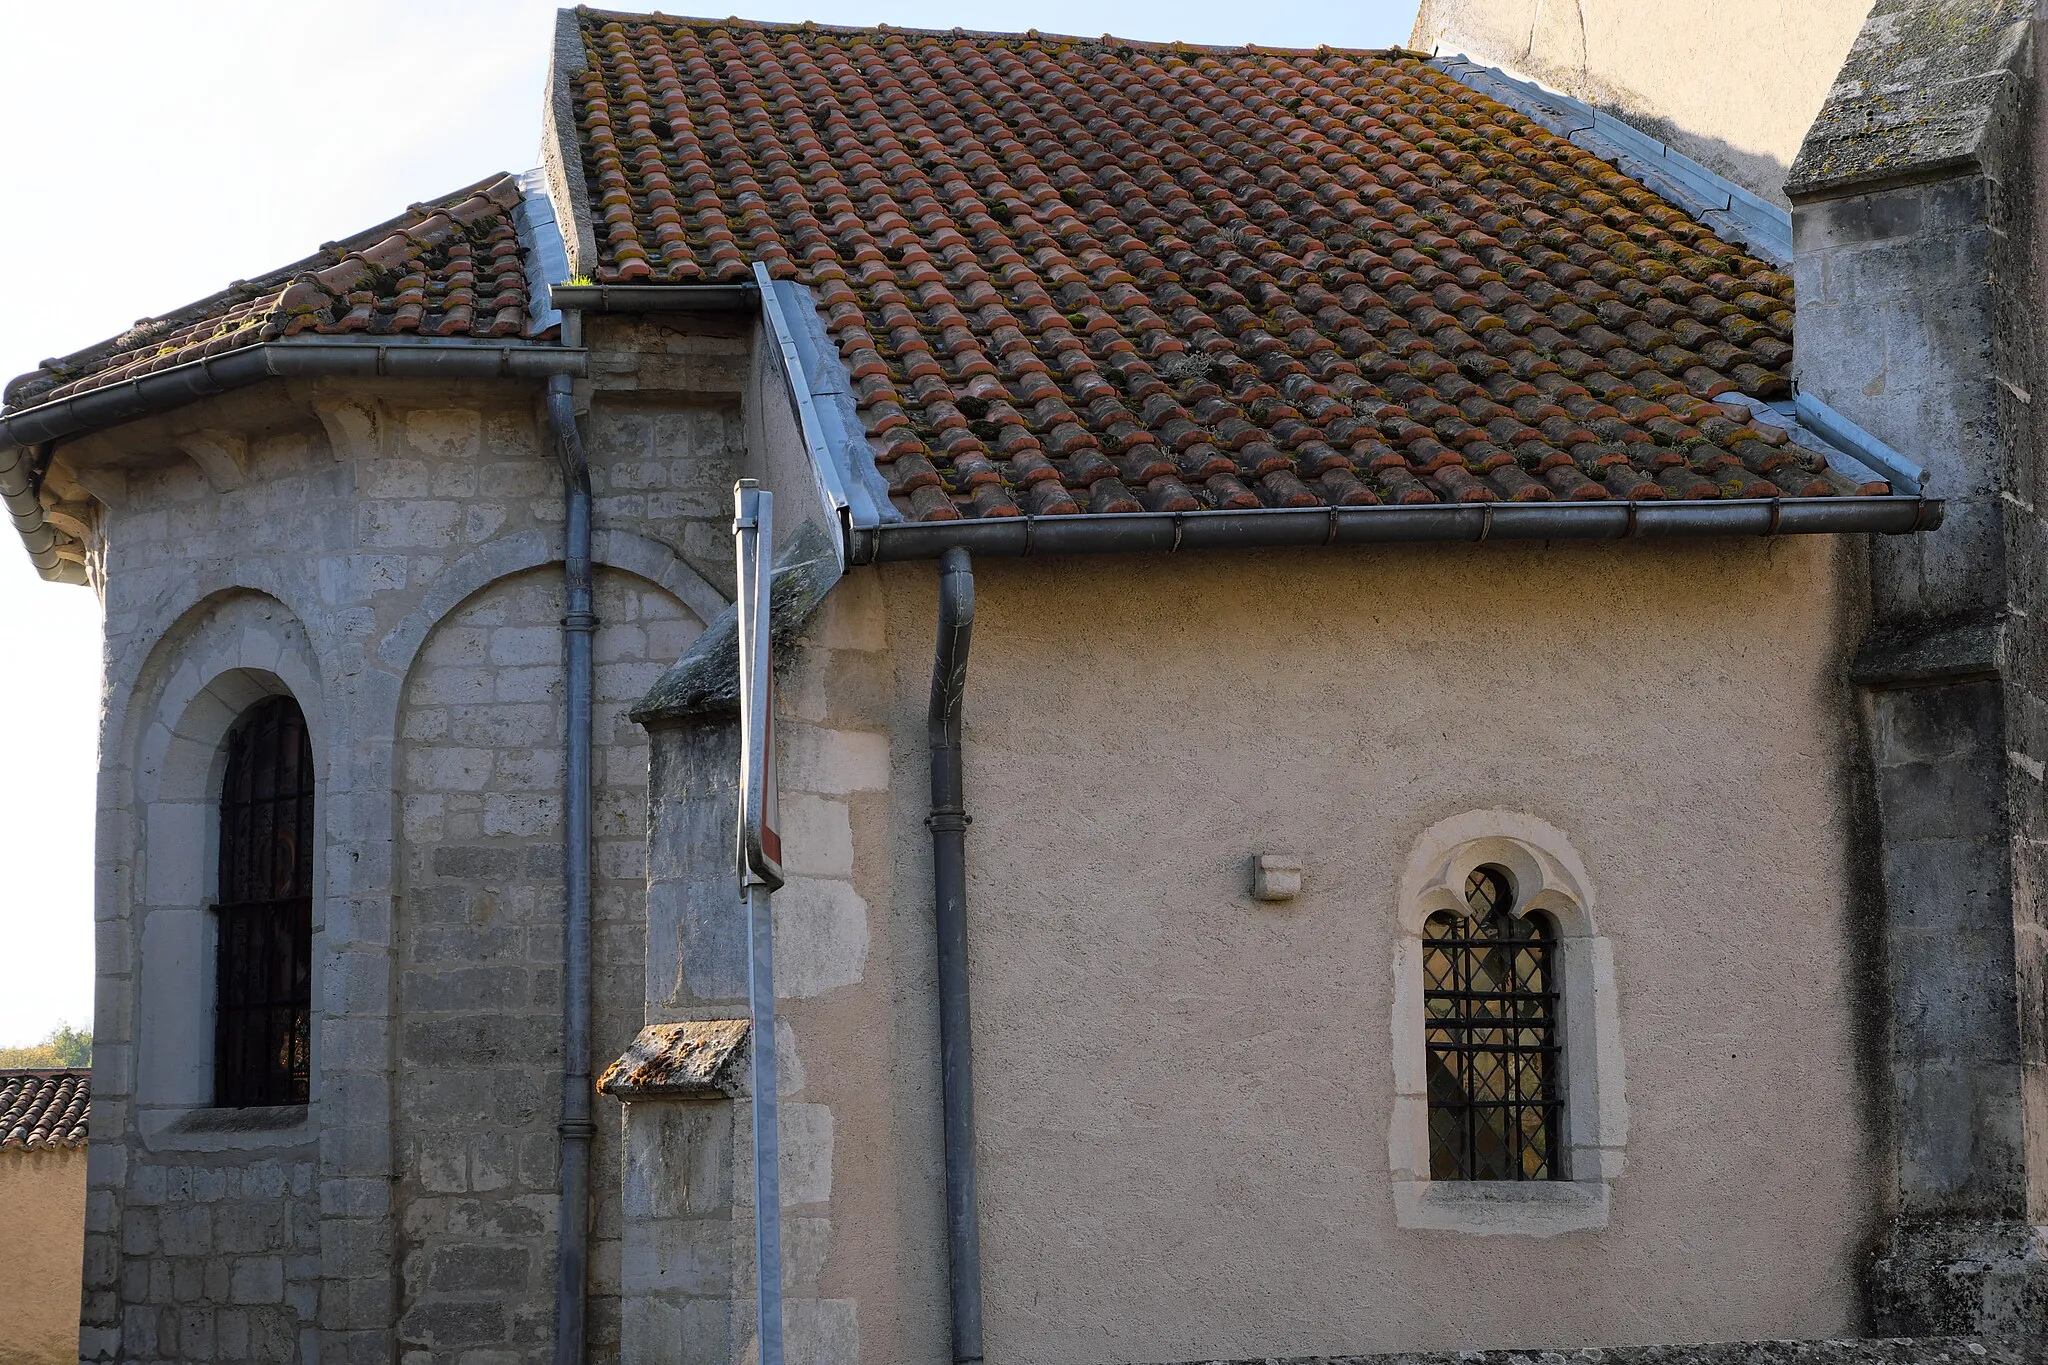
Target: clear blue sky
{"points": [[154, 152]]}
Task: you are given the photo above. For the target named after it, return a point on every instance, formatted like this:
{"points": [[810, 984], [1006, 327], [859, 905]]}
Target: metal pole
{"points": [[767, 1150], [757, 860]]}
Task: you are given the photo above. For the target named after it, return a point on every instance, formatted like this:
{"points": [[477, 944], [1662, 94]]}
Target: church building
{"points": [[1411, 715]]}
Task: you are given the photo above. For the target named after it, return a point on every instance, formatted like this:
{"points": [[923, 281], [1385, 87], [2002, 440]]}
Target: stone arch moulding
{"points": [[612, 549], [1548, 875], [239, 648]]}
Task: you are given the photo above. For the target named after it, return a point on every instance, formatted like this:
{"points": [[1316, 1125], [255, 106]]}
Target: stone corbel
{"points": [[75, 519], [110, 486], [355, 427], [222, 456], [699, 1059]]}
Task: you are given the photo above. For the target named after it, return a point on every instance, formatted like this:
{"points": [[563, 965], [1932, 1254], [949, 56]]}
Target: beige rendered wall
{"points": [[1732, 84], [42, 1217], [1185, 1095]]}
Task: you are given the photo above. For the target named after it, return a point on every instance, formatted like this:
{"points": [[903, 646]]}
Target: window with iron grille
{"points": [[264, 963], [1490, 1003]]}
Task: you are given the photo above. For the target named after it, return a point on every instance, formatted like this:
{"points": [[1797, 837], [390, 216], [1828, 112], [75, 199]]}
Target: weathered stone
{"points": [[1895, 1351]]}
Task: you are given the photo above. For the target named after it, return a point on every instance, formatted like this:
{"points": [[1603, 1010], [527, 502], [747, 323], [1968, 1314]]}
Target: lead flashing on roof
{"points": [[546, 257], [843, 452], [1721, 204]]}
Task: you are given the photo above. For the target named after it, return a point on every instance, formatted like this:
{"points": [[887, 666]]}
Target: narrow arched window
{"points": [[1490, 1013], [264, 965]]}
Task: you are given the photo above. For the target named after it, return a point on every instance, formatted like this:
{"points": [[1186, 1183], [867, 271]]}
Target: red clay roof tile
{"points": [[1093, 275], [41, 1109], [450, 268]]}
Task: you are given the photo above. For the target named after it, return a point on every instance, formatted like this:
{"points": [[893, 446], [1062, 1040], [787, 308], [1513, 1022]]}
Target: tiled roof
{"points": [[1093, 275], [452, 268], [42, 1109]]}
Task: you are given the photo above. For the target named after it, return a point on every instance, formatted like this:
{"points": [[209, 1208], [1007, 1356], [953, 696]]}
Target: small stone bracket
{"points": [[1276, 877], [355, 427], [698, 1059], [222, 456]]}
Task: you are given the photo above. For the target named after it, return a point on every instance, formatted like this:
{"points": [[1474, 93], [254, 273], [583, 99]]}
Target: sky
{"points": [[209, 142]]}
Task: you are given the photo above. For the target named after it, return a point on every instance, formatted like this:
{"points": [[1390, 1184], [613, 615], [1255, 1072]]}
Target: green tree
{"points": [[65, 1046]]}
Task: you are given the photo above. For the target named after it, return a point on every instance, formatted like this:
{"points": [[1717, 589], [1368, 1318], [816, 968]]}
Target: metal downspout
{"points": [[18, 495], [572, 1261], [948, 824]]}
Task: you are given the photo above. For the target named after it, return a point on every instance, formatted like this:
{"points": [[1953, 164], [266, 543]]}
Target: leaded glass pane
{"points": [[1490, 1023]]}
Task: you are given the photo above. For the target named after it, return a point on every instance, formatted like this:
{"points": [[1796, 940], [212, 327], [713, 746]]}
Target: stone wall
{"points": [[854, 1286], [313, 540], [1732, 85], [1893, 1351], [480, 934], [220, 1259], [1918, 267]]}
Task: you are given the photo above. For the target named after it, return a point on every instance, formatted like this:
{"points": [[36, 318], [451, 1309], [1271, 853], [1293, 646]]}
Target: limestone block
{"points": [[834, 762], [817, 836], [444, 433], [821, 937]]}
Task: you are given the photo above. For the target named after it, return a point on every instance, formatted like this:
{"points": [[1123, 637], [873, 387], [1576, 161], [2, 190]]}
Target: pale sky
{"points": [[154, 152]]}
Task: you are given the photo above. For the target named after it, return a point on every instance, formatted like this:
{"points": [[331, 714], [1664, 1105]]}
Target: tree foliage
{"points": [[65, 1046]]}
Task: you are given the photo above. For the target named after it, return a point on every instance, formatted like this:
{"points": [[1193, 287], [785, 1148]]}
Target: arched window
{"points": [[1490, 1006], [264, 968]]}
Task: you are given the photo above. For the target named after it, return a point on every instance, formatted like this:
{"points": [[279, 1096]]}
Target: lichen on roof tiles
{"points": [[1092, 275], [44, 1109], [450, 268]]}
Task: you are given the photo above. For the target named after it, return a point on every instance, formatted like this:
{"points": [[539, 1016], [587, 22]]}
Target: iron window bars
{"points": [[1490, 1006], [264, 960]]}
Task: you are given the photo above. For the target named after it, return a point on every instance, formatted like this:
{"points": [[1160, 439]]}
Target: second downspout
{"points": [[948, 824], [579, 622]]}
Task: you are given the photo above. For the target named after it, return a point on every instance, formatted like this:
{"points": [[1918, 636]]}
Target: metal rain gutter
{"points": [[1138, 532], [743, 297], [579, 622], [25, 509], [150, 394]]}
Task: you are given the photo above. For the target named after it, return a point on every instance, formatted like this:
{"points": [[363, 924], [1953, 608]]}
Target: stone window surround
{"points": [[1547, 875], [249, 651]]}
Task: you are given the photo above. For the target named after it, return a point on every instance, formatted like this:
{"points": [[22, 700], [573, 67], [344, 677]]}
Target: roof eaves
{"points": [[1309, 527], [90, 357], [1720, 203]]}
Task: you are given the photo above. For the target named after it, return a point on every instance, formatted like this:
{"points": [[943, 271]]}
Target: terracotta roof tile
{"points": [[43, 1109], [1093, 275], [452, 268]]}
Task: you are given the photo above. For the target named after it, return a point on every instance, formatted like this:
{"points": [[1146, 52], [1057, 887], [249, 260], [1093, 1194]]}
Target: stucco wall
{"points": [[42, 1207], [1732, 84], [1185, 1095]]}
